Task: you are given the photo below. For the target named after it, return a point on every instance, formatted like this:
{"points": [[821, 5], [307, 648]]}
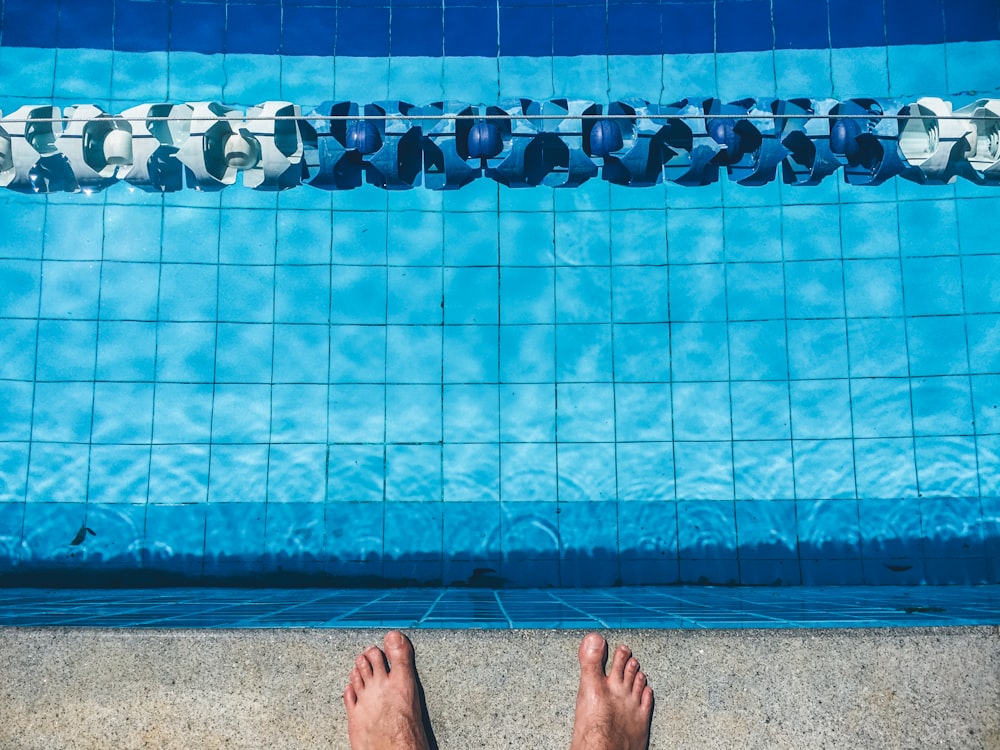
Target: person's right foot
{"points": [[613, 712]]}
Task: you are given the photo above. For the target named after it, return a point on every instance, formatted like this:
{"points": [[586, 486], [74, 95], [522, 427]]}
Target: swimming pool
{"points": [[592, 386]]}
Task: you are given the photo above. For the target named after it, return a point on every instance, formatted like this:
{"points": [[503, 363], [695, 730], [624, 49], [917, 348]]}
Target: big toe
{"points": [[399, 650], [593, 654]]}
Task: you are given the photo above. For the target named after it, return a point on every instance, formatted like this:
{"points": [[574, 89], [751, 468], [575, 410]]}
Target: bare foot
{"points": [[384, 709], [613, 712]]}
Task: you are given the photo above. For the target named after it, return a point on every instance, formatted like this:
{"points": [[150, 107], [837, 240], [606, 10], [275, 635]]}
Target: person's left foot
{"points": [[384, 710]]}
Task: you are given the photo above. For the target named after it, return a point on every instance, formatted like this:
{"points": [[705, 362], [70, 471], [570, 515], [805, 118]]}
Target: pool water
{"points": [[586, 387]]}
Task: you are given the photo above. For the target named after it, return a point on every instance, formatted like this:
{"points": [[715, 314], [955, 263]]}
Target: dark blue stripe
{"points": [[490, 27]]}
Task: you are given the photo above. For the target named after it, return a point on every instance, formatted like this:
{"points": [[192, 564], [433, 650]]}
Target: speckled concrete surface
{"points": [[279, 689]]}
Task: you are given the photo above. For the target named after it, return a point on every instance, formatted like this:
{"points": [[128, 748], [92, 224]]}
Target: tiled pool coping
{"points": [[468, 608]]}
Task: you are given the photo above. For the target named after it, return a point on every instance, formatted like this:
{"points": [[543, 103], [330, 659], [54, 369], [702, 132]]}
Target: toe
{"points": [[622, 654], [631, 670], [639, 685], [376, 659], [399, 651], [364, 667], [350, 696], [593, 654], [357, 682], [647, 699]]}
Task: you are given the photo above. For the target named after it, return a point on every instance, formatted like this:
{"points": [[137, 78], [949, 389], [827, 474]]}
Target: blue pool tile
{"points": [[418, 413], [471, 295], [758, 350], [528, 472], [294, 536], [118, 473], [703, 470], [890, 528], [527, 295], [586, 472], [182, 413], [526, 30], [753, 234], [357, 414], [702, 411], [917, 22], [247, 236], [988, 448], [246, 293], [414, 295], [241, 413], [189, 234], [645, 472], [524, 353], [57, 478], [709, 572], [118, 298], [986, 398], [582, 237], [936, 345], [639, 294], [362, 31], [296, 474], [770, 572], [175, 537], [825, 572], [824, 469], [123, 413], [698, 292], [300, 353], [902, 571], [26, 235], [981, 283], [933, 286], [196, 27], [71, 236], [642, 411], [256, 31], [941, 406], [243, 353], [66, 350], [972, 21], [470, 239], [755, 291], [869, 230], [742, 74], [763, 469], [881, 407], [820, 409], [920, 225], [706, 530], [583, 353], [308, 31], [471, 472], [828, 529], [62, 412], [471, 413], [856, 23], [942, 572], [647, 531], [952, 527], [741, 26], [188, 292], [984, 342], [688, 28], [470, 354], [583, 30], [416, 239], [24, 26], [760, 411], [412, 472], [527, 413], [946, 465], [17, 349], [470, 31], [642, 352], [69, 289], [699, 351], [873, 288], [586, 412], [583, 295], [235, 531], [800, 24], [238, 475], [298, 412], [810, 232], [631, 30], [764, 529], [17, 406], [877, 347], [356, 473], [589, 533], [526, 239], [814, 289], [529, 531], [695, 235], [817, 349], [416, 31], [359, 295], [179, 474]]}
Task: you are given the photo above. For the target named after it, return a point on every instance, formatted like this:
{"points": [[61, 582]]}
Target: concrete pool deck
{"points": [[278, 689]]}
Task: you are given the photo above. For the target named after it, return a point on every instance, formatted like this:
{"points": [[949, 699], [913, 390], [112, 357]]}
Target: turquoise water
{"points": [[584, 387]]}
